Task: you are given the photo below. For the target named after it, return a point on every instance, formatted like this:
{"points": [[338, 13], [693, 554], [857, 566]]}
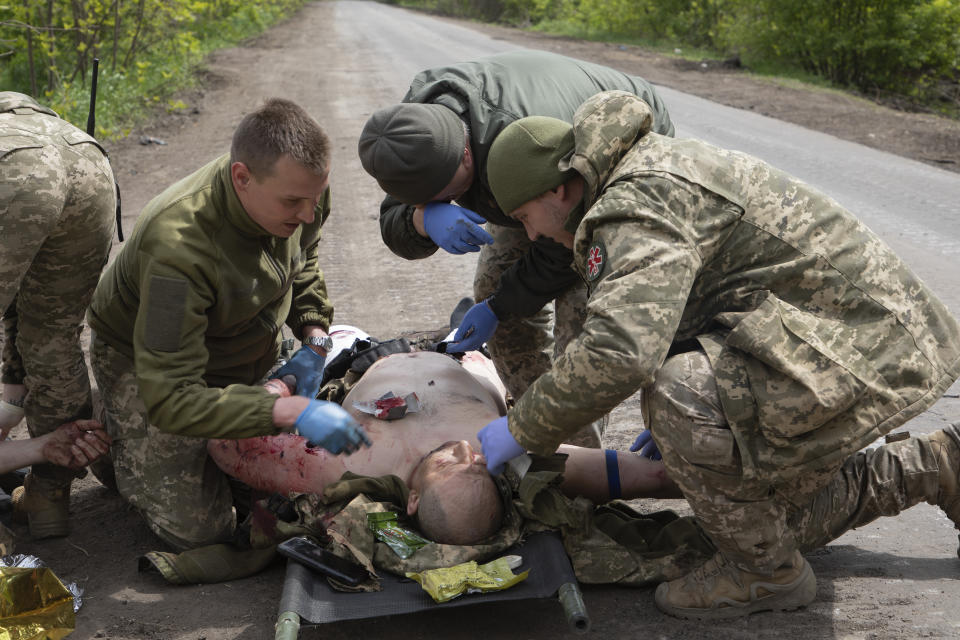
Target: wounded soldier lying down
{"points": [[434, 450], [455, 500]]}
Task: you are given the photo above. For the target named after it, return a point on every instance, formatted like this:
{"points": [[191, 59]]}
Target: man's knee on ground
{"points": [[190, 533]]}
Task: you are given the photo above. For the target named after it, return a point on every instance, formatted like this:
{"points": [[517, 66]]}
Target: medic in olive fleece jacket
{"points": [[197, 297]]}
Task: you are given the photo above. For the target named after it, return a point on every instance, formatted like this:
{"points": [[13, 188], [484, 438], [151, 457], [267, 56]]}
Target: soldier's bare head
{"points": [[453, 497], [280, 127]]}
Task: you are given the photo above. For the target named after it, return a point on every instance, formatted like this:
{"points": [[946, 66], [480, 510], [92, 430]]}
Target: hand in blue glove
{"points": [[477, 327], [306, 366], [328, 425], [455, 229], [649, 447], [499, 445]]}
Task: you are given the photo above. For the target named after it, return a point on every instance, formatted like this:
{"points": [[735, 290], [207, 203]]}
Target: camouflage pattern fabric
{"points": [[881, 481], [758, 522], [183, 495], [56, 227], [11, 364], [820, 337], [523, 348]]}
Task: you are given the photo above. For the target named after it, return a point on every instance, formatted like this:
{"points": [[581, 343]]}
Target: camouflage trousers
{"points": [[757, 525], [170, 479], [522, 349], [56, 227]]}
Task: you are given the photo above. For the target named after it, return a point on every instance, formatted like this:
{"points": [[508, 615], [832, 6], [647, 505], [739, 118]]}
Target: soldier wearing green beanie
{"points": [[773, 335], [432, 149]]}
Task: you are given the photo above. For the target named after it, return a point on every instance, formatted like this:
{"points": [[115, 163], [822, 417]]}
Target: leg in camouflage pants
{"points": [[757, 525], [56, 227], [523, 349], [181, 492]]}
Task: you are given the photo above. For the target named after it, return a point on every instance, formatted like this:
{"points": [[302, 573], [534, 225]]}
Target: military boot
{"points": [[946, 446], [718, 590], [46, 503]]}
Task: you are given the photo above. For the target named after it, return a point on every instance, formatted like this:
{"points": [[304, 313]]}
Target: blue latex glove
{"points": [[499, 445], [455, 229], [306, 366], [649, 447], [477, 327], [328, 425]]}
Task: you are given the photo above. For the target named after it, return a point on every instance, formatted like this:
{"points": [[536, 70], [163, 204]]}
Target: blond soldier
{"points": [[57, 205], [774, 334], [187, 321]]}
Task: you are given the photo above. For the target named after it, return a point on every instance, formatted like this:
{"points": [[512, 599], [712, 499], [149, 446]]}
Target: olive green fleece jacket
{"points": [[197, 297]]}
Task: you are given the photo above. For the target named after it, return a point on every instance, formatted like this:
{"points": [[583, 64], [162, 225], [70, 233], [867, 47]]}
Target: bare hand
{"points": [[76, 444]]}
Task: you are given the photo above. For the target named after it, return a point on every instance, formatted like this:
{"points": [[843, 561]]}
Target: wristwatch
{"points": [[324, 342]]}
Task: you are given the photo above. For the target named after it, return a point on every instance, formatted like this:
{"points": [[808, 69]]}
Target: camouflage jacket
{"points": [[26, 124], [488, 94], [197, 297], [820, 336]]}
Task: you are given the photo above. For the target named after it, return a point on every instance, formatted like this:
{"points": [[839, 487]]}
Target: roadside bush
{"points": [[147, 49], [906, 47]]}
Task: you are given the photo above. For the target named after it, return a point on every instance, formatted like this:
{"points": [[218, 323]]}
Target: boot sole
{"points": [[782, 597]]}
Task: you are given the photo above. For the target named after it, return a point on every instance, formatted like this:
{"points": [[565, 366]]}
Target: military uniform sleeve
{"points": [[542, 274], [398, 232], [170, 358], [311, 305], [637, 299]]}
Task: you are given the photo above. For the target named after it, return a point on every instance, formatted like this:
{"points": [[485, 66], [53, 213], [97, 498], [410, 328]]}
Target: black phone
{"points": [[311, 555]]}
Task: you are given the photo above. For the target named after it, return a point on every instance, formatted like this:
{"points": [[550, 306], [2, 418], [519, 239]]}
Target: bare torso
{"points": [[456, 401]]}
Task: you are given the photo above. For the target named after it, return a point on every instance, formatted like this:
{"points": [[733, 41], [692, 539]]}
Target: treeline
{"points": [[885, 48], [147, 49]]}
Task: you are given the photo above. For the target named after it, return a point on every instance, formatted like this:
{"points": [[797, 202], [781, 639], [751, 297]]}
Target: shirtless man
{"points": [[434, 450]]}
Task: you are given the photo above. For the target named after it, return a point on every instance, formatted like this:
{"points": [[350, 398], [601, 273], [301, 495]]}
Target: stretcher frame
{"points": [[542, 553]]}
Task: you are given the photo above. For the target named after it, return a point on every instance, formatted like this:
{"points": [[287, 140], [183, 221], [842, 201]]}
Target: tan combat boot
{"points": [[46, 504], [946, 446], [720, 590]]}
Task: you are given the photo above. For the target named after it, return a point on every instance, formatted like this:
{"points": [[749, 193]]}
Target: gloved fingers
{"points": [[460, 247], [468, 344], [474, 217], [308, 388], [651, 451], [474, 234], [642, 439]]}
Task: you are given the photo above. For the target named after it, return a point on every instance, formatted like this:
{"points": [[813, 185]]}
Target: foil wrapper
{"points": [[34, 604]]}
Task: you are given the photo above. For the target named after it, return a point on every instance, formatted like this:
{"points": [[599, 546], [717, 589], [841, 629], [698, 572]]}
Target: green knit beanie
{"points": [[523, 160], [412, 150]]}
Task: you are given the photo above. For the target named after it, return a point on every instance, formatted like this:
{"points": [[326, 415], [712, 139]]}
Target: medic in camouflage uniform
{"points": [[187, 320], [56, 226], [419, 154], [773, 334]]}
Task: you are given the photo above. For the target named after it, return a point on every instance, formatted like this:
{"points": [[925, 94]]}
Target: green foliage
{"points": [[147, 49], [902, 47], [906, 47]]}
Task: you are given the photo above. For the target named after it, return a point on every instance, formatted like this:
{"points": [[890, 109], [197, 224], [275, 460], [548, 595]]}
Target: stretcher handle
{"points": [[573, 607], [288, 626]]}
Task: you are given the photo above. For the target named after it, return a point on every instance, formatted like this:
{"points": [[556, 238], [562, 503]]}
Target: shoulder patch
{"points": [[596, 260], [165, 309]]}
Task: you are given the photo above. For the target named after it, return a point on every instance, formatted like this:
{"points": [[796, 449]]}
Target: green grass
{"points": [[128, 97]]}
